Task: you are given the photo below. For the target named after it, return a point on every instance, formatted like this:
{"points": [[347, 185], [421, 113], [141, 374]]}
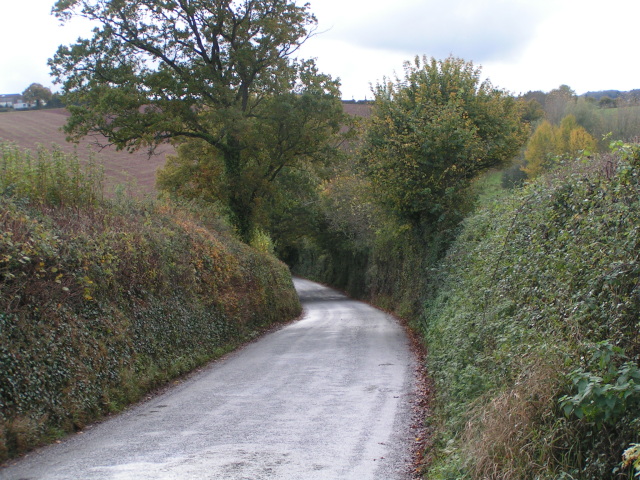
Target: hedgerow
{"points": [[102, 300], [533, 332]]}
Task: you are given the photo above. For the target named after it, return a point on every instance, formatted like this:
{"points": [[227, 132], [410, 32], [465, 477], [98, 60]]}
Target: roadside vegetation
{"points": [[532, 332], [521, 273], [103, 299], [505, 229]]}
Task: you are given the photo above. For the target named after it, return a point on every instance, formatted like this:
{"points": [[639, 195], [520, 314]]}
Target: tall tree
{"points": [[214, 70], [557, 102], [432, 132], [541, 147], [587, 115], [289, 139], [38, 94]]}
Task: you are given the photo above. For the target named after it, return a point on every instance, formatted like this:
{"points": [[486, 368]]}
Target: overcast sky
{"points": [[521, 45]]}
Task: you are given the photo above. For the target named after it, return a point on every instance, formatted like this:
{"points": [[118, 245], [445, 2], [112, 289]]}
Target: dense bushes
{"points": [[102, 300], [529, 307], [533, 334], [397, 202]]}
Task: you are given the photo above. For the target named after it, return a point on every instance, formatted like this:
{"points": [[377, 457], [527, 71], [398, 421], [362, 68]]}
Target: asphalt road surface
{"points": [[326, 397]]}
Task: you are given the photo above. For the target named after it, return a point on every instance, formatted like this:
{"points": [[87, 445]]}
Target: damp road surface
{"points": [[327, 397]]}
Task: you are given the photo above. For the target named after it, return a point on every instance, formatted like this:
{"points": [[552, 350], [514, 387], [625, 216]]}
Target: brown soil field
{"points": [[360, 109], [33, 128]]}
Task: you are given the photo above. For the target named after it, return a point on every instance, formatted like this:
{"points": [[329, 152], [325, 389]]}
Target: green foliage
{"points": [[351, 208], [49, 177], [557, 102], [513, 177], [101, 301], [224, 74], [607, 102], [532, 111], [619, 118], [550, 144], [262, 242], [432, 132], [531, 283], [621, 122], [541, 150], [529, 286], [194, 173], [286, 148], [389, 215], [603, 398], [588, 116], [38, 94]]}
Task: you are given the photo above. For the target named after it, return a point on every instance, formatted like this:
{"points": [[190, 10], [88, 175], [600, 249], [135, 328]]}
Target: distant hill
{"points": [[603, 93], [631, 95], [28, 129]]}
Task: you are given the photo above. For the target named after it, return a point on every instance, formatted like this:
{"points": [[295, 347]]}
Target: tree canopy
{"points": [[285, 149], [221, 72], [550, 142], [432, 132], [37, 93]]}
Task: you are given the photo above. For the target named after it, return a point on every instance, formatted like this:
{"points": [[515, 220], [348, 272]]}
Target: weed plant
{"points": [[102, 300], [49, 177]]}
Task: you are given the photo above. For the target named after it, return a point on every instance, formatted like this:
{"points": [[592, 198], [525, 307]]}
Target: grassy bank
{"points": [[103, 300], [533, 330]]}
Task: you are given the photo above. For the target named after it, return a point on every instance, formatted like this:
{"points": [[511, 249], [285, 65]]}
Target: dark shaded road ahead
{"points": [[326, 397]]}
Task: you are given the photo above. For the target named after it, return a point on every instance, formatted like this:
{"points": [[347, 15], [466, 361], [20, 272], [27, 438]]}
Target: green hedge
{"points": [[533, 333], [530, 318]]}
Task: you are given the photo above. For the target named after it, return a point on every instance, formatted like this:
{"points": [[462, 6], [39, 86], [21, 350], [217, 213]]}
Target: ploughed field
{"points": [[29, 129]]}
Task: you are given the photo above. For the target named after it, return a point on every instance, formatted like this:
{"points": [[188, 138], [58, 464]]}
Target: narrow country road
{"points": [[326, 397]]}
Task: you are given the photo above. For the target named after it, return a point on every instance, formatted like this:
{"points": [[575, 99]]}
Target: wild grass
{"points": [[49, 177], [488, 187]]}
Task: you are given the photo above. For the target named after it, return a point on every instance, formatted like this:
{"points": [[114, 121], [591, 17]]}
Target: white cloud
{"points": [[362, 42], [357, 66], [521, 44], [473, 30], [29, 36], [585, 44]]}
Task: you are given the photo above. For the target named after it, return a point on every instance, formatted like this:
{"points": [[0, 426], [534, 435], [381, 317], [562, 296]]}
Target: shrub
{"points": [[50, 177]]}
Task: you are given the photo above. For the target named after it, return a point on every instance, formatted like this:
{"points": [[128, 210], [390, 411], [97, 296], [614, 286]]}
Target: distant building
{"points": [[15, 101]]}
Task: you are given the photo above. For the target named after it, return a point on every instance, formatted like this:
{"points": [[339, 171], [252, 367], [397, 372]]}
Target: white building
{"points": [[15, 101]]}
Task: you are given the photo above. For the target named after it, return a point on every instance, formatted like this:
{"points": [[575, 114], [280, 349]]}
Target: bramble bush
{"points": [[603, 398], [102, 300], [533, 331]]}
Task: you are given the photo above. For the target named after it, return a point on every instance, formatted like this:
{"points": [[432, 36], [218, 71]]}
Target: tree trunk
{"points": [[241, 207]]}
